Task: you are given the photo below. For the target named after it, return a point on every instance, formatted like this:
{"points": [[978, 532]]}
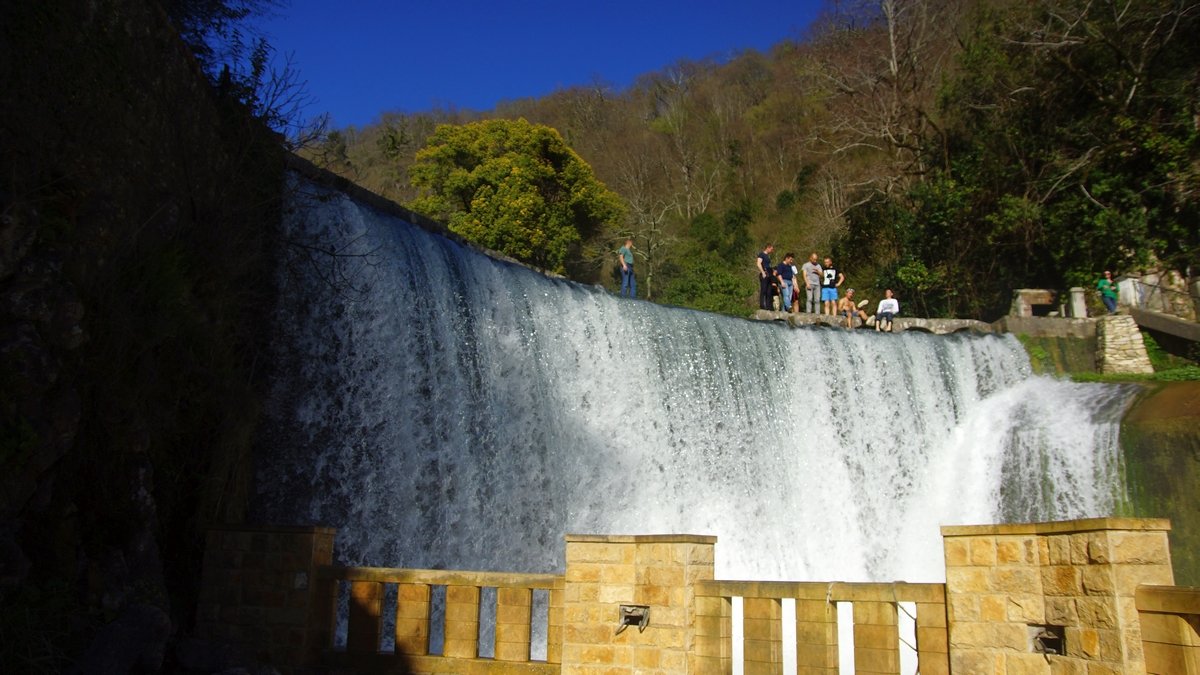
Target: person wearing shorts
{"points": [[831, 278], [846, 308]]}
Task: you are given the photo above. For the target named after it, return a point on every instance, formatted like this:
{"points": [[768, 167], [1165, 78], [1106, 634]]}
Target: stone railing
{"points": [[878, 611], [410, 609], [1044, 598], [1170, 620]]}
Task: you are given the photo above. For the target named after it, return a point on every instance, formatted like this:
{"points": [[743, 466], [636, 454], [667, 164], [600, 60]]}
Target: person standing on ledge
{"points": [[831, 280], [1108, 292], [765, 272], [811, 272], [628, 282], [786, 271]]}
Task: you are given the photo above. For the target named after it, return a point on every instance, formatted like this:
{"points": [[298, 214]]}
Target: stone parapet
{"points": [[1085, 596], [1119, 346], [1051, 597]]}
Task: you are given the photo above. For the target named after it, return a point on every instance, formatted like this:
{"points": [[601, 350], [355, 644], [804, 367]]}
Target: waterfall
{"points": [[442, 408]]}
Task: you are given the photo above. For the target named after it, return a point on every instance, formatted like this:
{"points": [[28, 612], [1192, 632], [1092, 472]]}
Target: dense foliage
{"points": [[134, 275], [951, 149], [513, 187]]}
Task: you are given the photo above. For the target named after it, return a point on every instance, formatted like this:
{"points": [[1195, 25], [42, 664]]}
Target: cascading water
{"points": [[445, 409]]}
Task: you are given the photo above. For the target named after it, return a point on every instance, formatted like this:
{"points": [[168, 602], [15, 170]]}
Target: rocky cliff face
{"points": [[136, 211]]}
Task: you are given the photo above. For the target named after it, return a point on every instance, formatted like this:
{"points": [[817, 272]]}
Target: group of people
{"points": [[781, 283]]}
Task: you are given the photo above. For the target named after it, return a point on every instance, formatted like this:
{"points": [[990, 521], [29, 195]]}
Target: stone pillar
{"points": [[1006, 584], [1078, 303], [605, 572], [258, 591], [762, 638], [876, 634], [1119, 346], [412, 619], [1020, 306], [514, 611], [461, 638]]}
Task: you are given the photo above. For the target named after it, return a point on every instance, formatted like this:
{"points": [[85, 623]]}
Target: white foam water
{"points": [[445, 409]]}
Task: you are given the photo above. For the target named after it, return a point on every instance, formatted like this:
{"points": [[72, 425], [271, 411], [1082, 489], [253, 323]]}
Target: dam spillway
{"points": [[444, 409]]}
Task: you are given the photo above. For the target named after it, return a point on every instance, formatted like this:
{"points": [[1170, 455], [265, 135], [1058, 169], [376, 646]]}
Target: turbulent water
{"points": [[445, 409]]}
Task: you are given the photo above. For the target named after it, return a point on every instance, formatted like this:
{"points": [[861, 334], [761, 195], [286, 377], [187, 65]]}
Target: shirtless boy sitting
{"points": [[848, 309]]}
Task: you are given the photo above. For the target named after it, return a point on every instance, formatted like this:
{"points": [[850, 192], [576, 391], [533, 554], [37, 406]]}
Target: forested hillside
{"points": [[950, 149]]}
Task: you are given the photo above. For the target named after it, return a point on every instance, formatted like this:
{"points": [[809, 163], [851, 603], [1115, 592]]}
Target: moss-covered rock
{"points": [[1160, 437], [1060, 355]]}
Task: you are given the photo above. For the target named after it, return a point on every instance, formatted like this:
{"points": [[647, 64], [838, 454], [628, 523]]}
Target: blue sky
{"points": [[362, 58]]}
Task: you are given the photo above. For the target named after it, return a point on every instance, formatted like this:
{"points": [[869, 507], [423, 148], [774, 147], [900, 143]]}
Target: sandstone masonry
{"points": [[1119, 346], [1006, 585]]}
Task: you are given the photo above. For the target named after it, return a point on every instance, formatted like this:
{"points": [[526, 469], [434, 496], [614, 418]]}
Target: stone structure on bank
{"points": [[1025, 299], [1119, 346], [1087, 597]]}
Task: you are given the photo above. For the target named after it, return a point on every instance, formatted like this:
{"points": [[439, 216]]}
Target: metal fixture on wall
{"points": [[633, 615]]}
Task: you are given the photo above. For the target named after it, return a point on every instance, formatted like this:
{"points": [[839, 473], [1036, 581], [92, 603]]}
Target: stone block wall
{"points": [[257, 591], [1005, 584], [605, 572], [1119, 346]]}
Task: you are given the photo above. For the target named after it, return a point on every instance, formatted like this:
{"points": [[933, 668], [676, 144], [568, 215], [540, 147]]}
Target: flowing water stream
{"points": [[445, 409]]}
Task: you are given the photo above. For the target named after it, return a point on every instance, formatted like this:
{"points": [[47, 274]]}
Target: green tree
{"points": [[1099, 130], [705, 281], [513, 187]]}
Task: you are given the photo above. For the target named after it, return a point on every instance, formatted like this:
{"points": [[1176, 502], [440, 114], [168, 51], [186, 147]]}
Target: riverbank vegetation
{"points": [[949, 150]]}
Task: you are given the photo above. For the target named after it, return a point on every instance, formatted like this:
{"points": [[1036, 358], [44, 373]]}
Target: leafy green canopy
{"points": [[513, 187], [1070, 146], [706, 276]]}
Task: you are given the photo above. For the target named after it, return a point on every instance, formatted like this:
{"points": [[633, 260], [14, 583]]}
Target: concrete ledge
{"points": [[439, 577], [280, 529], [1168, 599], [1046, 326], [940, 326], [1059, 527], [899, 325], [1165, 323], [642, 538], [820, 590]]}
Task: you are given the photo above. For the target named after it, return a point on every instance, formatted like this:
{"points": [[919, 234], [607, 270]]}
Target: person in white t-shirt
{"points": [[889, 307]]}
